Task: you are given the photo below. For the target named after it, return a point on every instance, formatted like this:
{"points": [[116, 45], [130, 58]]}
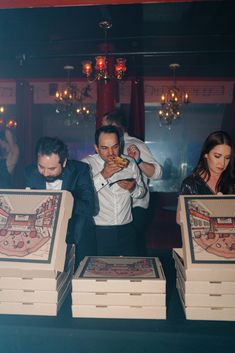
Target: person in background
{"points": [[214, 172], [9, 155], [54, 171], [116, 185], [150, 170]]}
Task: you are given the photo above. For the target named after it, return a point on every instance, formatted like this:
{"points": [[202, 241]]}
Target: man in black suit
{"points": [[54, 171]]}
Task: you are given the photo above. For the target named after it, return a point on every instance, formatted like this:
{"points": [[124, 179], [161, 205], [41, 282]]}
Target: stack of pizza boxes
{"points": [[205, 266], [36, 266], [119, 287]]}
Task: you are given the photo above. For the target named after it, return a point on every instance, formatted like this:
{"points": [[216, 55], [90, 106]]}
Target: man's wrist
{"points": [[138, 161]]}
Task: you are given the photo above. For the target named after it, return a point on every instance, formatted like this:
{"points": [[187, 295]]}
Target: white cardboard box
{"points": [[35, 284], [216, 314], [198, 286], [119, 312], [208, 235], [206, 300], [38, 296], [127, 299], [210, 313], [33, 225], [119, 274], [41, 309]]}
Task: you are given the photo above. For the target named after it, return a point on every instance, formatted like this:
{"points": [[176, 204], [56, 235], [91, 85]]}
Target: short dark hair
{"points": [[108, 129], [117, 116], [49, 145], [226, 178]]}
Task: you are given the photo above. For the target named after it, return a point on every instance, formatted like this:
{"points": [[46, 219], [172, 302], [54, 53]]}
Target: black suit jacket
{"points": [[76, 178]]}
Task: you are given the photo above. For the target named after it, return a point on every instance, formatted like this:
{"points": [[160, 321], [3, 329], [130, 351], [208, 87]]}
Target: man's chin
{"points": [[51, 179]]}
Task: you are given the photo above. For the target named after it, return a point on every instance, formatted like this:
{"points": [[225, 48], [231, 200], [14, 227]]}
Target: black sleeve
{"points": [[187, 186], [84, 193]]}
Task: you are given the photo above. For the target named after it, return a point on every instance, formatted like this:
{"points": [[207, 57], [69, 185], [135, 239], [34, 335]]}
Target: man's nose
{"points": [[45, 172], [111, 153]]}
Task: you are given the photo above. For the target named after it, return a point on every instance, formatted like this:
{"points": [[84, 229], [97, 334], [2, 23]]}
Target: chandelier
{"points": [[69, 102], [171, 102], [8, 124], [102, 70]]}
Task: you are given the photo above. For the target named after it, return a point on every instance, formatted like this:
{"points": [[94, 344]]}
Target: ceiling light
{"points": [[69, 102], [102, 69], [6, 123], [172, 100]]}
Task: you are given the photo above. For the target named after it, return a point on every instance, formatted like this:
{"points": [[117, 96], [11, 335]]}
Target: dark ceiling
{"points": [[200, 36]]}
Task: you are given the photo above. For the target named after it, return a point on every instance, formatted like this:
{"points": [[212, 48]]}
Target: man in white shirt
{"points": [[149, 168], [116, 186]]}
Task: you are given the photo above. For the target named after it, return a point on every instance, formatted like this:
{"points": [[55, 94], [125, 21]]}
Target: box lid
{"points": [[33, 226], [208, 232], [120, 274]]}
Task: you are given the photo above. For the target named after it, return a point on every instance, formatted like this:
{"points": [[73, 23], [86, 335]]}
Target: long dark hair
{"points": [[225, 184]]}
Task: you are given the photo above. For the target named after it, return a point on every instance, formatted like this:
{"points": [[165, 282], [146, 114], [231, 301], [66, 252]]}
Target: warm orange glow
{"points": [[163, 98], [11, 123], [100, 64], [120, 67], [186, 98], [87, 67]]}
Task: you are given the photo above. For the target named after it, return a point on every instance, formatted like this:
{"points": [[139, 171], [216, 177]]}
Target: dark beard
{"points": [[51, 179]]}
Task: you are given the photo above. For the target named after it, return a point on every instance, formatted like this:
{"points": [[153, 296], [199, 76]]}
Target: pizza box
{"points": [[41, 309], [119, 274], [212, 314], [207, 300], [37, 296], [208, 236], [119, 312], [36, 284], [126, 299], [207, 313], [33, 225], [206, 287]]}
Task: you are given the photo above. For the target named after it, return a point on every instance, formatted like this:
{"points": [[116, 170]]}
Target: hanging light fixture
{"points": [[6, 123], [102, 70], [172, 101], [69, 102]]}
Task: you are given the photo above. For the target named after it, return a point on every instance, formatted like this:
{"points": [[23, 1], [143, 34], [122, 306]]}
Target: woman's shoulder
{"points": [[195, 185], [191, 185], [191, 179]]}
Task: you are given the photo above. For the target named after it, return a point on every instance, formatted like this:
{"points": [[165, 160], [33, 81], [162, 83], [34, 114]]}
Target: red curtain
{"points": [[136, 118], [105, 99]]}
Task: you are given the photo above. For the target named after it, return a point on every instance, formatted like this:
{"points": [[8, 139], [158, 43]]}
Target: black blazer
{"points": [[76, 178]]}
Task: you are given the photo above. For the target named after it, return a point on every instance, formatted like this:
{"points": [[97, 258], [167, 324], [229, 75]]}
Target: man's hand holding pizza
{"points": [[114, 165]]}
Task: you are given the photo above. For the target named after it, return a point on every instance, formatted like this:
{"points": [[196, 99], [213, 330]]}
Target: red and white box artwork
{"points": [[36, 266], [205, 266]]}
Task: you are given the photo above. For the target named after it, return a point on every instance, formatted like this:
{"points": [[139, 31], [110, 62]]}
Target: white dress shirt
{"points": [[55, 185], [114, 202], [146, 156]]}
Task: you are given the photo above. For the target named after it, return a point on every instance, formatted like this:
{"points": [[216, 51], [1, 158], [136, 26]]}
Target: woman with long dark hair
{"points": [[214, 172]]}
